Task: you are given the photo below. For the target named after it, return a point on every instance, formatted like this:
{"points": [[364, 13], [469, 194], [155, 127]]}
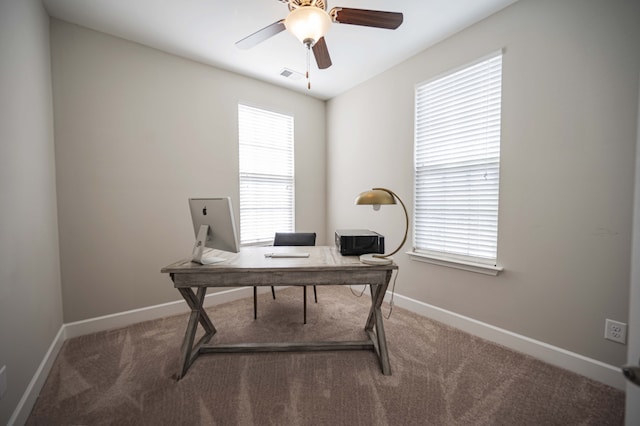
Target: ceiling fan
{"points": [[309, 20]]}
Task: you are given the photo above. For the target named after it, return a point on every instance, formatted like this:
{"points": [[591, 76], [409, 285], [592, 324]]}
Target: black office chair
{"points": [[290, 239]]}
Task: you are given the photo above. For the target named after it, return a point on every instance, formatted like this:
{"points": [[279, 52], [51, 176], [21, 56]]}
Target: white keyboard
{"points": [[286, 254]]}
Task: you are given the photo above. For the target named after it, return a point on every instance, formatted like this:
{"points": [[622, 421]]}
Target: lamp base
{"points": [[369, 259]]}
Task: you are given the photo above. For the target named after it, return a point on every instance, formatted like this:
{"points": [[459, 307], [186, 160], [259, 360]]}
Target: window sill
{"points": [[456, 263]]}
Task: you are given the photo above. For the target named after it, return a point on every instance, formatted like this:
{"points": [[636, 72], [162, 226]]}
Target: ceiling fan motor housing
{"points": [[295, 4]]}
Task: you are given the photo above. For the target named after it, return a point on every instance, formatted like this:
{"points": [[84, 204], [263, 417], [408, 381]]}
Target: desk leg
{"points": [[188, 352], [375, 316], [195, 303], [382, 343], [377, 296]]}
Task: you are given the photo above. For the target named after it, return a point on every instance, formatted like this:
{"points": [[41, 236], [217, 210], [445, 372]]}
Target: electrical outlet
{"points": [[3, 381], [615, 331]]}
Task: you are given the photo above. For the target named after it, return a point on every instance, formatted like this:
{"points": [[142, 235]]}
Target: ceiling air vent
{"points": [[293, 75]]}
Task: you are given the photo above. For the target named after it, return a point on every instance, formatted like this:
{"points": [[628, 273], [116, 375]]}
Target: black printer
{"points": [[354, 242]]}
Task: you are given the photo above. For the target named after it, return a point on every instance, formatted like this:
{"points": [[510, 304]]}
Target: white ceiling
{"points": [[206, 31]]}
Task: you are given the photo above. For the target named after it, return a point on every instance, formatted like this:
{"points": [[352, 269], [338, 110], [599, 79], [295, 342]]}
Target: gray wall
{"points": [[138, 132], [30, 297], [570, 88]]}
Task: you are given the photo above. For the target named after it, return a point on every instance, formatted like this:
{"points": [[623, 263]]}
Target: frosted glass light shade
{"points": [[309, 24]]}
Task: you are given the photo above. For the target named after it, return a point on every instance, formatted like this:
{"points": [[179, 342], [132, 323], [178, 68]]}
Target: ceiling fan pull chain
{"points": [[308, 54]]}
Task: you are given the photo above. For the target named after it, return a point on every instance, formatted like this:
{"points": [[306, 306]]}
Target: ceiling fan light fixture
{"points": [[308, 23]]}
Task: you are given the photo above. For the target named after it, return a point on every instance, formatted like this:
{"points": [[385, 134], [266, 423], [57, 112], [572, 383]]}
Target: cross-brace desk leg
{"points": [[378, 337], [189, 352]]}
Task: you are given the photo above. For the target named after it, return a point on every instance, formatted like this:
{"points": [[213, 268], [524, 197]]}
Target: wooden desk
{"points": [[324, 266]]}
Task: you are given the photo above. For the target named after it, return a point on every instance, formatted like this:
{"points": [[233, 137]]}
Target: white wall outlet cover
{"points": [[615, 331]]}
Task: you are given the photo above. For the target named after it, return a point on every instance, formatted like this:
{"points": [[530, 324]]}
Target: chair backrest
{"points": [[295, 239]]}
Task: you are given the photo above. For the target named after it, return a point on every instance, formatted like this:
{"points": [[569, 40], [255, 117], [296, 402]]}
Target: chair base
{"points": [[273, 294]]}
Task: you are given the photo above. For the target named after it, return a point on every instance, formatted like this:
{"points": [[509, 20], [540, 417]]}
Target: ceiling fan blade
{"points": [[322, 54], [367, 18], [261, 35]]}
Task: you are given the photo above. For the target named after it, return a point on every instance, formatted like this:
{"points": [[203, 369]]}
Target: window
{"points": [[457, 164], [266, 174]]}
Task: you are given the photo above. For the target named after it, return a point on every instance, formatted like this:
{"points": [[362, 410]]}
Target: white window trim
{"points": [[465, 265]]}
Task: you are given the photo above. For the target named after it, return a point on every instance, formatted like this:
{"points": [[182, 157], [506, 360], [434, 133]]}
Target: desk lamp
{"points": [[376, 197]]}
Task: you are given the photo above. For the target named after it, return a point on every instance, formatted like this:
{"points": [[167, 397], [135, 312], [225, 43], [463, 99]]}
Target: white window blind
{"points": [[266, 174], [457, 163]]}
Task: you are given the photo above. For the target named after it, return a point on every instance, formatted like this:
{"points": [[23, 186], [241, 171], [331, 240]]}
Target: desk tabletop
{"points": [[253, 259]]}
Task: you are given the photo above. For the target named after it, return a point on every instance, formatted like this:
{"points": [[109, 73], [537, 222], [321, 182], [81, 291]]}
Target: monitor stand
{"points": [[197, 254]]}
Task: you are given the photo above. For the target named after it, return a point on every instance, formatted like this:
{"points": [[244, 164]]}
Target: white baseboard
{"points": [[22, 410], [123, 319], [588, 367]]}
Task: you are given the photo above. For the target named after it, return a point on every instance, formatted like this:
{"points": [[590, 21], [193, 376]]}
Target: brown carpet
{"points": [[441, 376]]}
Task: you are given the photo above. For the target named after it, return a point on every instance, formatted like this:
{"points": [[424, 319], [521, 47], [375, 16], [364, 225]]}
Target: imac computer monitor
{"points": [[215, 228]]}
